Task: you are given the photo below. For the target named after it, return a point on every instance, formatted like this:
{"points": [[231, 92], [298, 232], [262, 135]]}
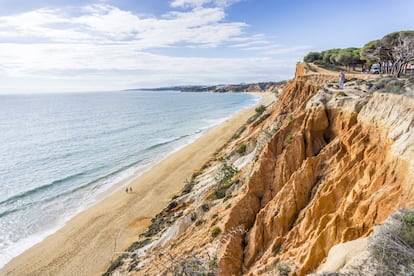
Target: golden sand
{"points": [[88, 242]]}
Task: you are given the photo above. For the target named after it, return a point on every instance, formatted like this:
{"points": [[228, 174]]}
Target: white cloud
{"points": [[108, 24], [104, 47], [199, 3]]}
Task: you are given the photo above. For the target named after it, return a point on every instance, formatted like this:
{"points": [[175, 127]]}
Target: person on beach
{"points": [[341, 80], [130, 189], [126, 190]]}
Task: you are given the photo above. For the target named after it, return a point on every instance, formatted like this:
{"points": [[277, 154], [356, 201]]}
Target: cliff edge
{"points": [[313, 172]]}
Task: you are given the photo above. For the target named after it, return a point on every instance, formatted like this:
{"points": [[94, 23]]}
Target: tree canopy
{"points": [[393, 52], [349, 57]]}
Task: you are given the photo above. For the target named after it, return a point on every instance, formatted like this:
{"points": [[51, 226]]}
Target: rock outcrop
{"points": [[324, 166]]}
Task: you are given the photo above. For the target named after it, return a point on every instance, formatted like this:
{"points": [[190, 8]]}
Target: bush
{"points": [[261, 119], [241, 149], [390, 85], [215, 231], [239, 132], [205, 207], [396, 86], [224, 181], [199, 222], [260, 109], [312, 57], [340, 94], [188, 187], [289, 138]]}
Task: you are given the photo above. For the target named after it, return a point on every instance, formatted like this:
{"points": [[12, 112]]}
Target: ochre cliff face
{"points": [[332, 164], [326, 177]]}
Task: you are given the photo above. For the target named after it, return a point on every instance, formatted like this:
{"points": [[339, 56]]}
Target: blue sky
{"points": [[61, 45]]}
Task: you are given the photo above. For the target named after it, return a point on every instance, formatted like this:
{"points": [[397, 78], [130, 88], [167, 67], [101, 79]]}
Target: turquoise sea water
{"points": [[58, 152]]}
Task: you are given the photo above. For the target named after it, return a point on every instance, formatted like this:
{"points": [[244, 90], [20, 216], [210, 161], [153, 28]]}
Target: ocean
{"points": [[61, 153]]}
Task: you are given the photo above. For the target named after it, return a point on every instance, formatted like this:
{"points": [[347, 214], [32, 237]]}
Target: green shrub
{"points": [[224, 181], [389, 84], [114, 265], [261, 119], [289, 138], [253, 118], [395, 86], [283, 269], [340, 94], [215, 231], [188, 187], [239, 132], [260, 109], [195, 174], [407, 229], [213, 263], [241, 149], [205, 207]]}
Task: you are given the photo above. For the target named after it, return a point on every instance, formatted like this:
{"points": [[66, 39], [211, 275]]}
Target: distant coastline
{"points": [[220, 88]]}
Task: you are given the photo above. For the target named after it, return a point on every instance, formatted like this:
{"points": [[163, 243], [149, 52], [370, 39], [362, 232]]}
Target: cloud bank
{"points": [[101, 46]]}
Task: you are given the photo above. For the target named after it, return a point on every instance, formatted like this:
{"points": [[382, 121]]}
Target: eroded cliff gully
{"points": [[338, 165], [319, 167]]}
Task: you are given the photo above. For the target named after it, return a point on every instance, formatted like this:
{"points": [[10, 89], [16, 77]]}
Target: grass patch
{"points": [[193, 265], [393, 244]]}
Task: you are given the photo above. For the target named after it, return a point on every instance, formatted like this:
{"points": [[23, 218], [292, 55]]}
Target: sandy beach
{"points": [[87, 243]]}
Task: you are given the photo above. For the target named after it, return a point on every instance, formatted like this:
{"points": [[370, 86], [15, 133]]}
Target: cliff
{"points": [[318, 168], [243, 87]]}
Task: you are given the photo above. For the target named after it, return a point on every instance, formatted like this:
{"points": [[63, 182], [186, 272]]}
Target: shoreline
{"points": [[87, 243]]}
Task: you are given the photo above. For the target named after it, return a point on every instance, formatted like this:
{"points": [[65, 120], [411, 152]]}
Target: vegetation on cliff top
{"points": [[393, 52]]}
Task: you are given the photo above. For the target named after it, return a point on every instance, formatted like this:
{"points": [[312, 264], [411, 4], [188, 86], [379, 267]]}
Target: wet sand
{"points": [[88, 242]]}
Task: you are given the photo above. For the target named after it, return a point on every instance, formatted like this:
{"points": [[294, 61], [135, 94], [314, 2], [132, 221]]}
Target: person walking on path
{"points": [[341, 80]]}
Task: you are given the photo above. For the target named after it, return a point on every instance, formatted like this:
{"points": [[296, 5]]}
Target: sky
{"points": [[104, 45]]}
